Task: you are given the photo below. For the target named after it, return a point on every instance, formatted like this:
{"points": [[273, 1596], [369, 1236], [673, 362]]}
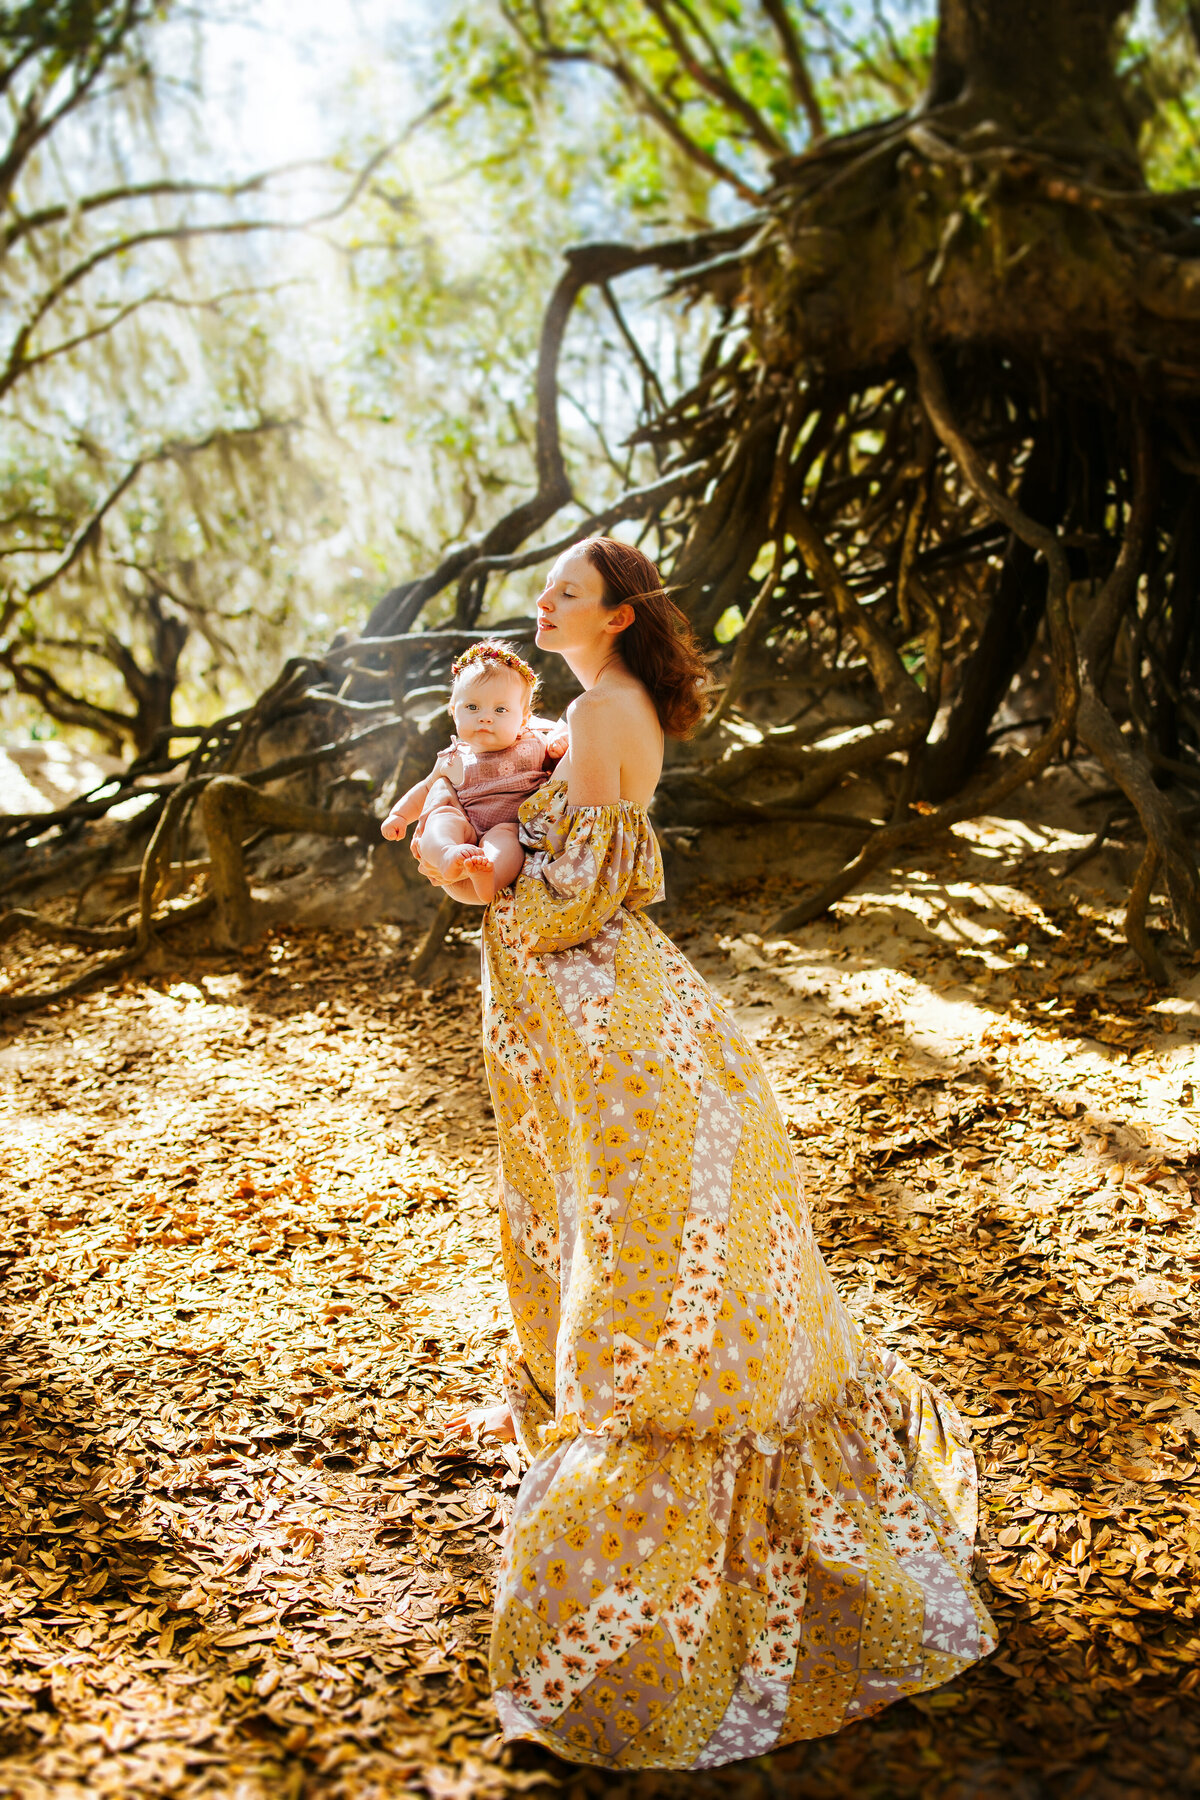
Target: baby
{"points": [[466, 807]]}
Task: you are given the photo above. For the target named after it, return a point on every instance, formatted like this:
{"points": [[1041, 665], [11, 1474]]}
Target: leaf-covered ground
{"points": [[251, 1267]]}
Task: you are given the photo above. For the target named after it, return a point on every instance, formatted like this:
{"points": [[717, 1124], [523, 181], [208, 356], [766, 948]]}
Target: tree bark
{"points": [[1008, 632], [1043, 71]]}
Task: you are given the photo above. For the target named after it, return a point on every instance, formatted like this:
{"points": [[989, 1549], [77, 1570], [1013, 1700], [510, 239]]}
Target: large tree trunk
{"points": [[1043, 69]]}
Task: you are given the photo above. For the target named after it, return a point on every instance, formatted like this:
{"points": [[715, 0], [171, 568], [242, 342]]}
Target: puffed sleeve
{"points": [[593, 860]]}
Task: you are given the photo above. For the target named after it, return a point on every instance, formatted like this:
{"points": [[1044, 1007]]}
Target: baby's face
{"points": [[490, 708]]}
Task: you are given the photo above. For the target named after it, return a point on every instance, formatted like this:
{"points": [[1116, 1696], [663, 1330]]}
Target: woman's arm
{"points": [[616, 746], [595, 726]]}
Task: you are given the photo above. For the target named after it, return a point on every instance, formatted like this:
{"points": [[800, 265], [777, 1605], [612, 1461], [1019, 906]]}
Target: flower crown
{"points": [[481, 655]]}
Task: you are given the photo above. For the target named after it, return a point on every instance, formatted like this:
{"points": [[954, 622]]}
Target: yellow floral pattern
{"points": [[741, 1525]]}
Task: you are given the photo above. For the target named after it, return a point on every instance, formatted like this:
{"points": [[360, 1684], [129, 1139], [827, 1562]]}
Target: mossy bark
{"points": [[1038, 70]]}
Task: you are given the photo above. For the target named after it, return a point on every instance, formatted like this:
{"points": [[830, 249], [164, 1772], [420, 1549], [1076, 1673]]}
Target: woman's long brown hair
{"points": [[659, 646]]}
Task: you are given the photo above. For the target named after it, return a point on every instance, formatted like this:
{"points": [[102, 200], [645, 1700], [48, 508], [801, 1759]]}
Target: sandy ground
{"points": [[37, 777], [251, 1270]]}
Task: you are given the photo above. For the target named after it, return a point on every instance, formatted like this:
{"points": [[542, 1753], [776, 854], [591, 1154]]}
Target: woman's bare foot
{"points": [[488, 1421]]}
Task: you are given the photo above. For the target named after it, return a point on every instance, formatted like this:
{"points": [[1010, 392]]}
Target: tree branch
{"points": [[587, 265], [33, 127], [635, 503], [716, 82], [797, 65], [56, 700], [652, 104], [23, 225], [650, 381], [17, 362], [118, 318], [88, 534]]}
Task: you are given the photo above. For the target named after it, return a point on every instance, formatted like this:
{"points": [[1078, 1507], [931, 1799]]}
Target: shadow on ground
{"points": [[251, 1269]]}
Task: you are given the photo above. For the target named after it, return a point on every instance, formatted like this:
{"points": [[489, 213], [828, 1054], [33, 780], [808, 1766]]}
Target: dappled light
{"points": [[872, 335], [253, 1267]]}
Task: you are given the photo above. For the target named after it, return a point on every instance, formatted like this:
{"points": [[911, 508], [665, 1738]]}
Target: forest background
{"points": [[294, 302], [890, 348], [271, 333]]}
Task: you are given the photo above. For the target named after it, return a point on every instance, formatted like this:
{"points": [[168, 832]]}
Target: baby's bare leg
{"points": [[447, 840], [496, 862]]}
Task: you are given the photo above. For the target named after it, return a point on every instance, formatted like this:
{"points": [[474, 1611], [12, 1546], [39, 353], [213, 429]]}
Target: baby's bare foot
{"points": [[480, 871], [462, 862]]}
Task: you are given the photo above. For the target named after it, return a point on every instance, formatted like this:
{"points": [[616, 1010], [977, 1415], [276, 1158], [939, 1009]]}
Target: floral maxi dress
{"points": [[741, 1524]]}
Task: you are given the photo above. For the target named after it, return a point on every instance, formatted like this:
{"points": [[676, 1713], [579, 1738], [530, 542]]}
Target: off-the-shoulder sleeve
{"points": [[592, 860]]}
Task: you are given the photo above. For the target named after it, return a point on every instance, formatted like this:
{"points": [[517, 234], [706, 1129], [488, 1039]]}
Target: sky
{"points": [[271, 66]]}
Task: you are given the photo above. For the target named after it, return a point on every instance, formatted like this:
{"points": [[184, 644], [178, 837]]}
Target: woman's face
{"points": [[571, 614]]}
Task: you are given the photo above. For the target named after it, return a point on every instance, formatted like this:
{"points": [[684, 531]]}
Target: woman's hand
{"points": [[488, 1421], [427, 869], [462, 891]]}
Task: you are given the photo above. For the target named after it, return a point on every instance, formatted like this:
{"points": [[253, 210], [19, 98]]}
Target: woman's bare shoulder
{"points": [[616, 745], [598, 724], [616, 705]]}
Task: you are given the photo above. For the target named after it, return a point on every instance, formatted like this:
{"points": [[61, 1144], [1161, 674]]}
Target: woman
{"points": [[741, 1525]]}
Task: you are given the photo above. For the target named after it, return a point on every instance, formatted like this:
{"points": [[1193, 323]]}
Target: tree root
{"points": [[755, 618], [1135, 919], [229, 807], [238, 804], [1167, 847], [111, 937], [34, 999], [448, 910], [1092, 848], [1160, 821], [728, 809], [910, 832]]}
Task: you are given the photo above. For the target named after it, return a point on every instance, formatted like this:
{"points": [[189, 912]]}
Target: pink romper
{"points": [[494, 782]]}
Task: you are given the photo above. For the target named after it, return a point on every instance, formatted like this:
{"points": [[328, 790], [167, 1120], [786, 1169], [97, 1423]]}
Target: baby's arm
{"points": [[553, 734], [407, 809]]}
